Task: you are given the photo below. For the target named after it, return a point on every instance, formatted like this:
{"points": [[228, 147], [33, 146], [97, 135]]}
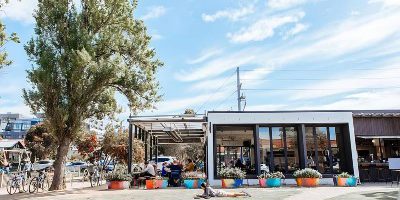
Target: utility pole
{"points": [[238, 89]]}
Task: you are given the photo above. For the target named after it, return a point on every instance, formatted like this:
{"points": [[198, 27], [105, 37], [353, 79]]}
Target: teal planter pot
{"points": [[190, 184], [346, 182], [199, 182], [164, 184], [273, 182]]}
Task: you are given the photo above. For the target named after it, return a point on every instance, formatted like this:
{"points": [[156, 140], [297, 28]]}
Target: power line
{"points": [[320, 70], [320, 89], [316, 79], [213, 94], [223, 101]]}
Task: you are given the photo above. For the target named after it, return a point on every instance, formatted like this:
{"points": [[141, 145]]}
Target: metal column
{"points": [[130, 149], [145, 134]]}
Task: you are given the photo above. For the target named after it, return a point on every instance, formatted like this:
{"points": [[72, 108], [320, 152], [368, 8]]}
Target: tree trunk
{"points": [[59, 165]]}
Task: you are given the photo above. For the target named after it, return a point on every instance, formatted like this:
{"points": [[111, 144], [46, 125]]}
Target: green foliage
{"points": [[87, 144], [307, 173], [232, 173], [271, 175], [4, 39], [344, 175], [40, 142], [189, 111]]}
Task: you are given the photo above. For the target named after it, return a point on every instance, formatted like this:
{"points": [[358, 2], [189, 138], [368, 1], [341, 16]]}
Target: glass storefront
{"points": [[279, 148]]}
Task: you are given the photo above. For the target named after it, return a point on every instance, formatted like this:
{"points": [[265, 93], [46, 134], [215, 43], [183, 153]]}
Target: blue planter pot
{"points": [[190, 184], [199, 182], [238, 182], [273, 182]]}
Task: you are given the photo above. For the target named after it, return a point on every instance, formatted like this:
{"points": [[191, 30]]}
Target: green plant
{"points": [[193, 175], [307, 173], [118, 176], [271, 175], [344, 175], [234, 173]]}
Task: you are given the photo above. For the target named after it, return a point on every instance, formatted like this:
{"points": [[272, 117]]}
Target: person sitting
{"points": [[239, 164], [175, 175], [211, 192], [189, 166], [148, 170], [165, 170]]}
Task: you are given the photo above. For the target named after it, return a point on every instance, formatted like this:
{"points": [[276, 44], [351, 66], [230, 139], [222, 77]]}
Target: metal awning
{"points": [[170, 129]]}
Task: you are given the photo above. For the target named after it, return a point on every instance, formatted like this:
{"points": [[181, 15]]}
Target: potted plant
{"points": [[118, 180], [271, 179], [192, 180], [307, 177], [345, 180], [231, 177]]}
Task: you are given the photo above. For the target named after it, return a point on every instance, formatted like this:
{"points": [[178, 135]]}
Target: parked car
{"points": [[77, 166], [161, 160], [43, 164]]}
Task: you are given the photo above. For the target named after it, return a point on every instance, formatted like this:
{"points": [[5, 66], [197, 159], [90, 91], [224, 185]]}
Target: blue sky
{"points": [[294, 54]]}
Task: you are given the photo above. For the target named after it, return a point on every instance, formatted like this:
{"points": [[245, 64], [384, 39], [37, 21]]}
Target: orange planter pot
{"points": [[151, 184], [118, 185], [307, 182]]}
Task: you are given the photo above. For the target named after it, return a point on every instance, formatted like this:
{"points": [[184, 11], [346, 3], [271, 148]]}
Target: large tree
{"points": [[83, 54]]}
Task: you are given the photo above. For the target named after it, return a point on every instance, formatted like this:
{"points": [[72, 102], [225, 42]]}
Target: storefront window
{"points": [[235, 148], [278, 149], [292, 149], [323, 165], [310, 146], [265, 149]]}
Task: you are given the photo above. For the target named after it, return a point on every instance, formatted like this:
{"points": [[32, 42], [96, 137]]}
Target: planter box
{"points": [[190, 183], [262, 182], [118, 185], [273, 182], [161, 184], [307, 182], [232, 183], [346, 182]]}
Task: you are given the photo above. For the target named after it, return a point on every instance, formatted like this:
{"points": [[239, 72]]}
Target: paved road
{"points": [[380, 192]]}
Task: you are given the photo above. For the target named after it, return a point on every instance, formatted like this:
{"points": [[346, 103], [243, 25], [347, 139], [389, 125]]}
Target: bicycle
{"points": [[39, 182], [18, 181]]}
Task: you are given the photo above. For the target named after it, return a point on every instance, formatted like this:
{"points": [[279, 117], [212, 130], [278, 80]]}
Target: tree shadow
{"points": [[392, 195]]}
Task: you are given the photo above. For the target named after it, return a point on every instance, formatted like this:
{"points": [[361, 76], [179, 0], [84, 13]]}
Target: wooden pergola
{"points": [[165, 129]]}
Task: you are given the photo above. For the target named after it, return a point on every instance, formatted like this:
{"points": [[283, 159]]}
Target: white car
{"points": [[43, 164], [162, 159]]}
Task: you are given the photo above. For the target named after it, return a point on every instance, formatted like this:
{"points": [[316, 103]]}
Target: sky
{"points": [[291, 54]]}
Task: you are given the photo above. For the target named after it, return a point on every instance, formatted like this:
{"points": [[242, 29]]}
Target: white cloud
{"points": [[298, 28], [156, 36], [21, 11], [263, 28], [284, 4], [386, 3], [205, 55], [154, 12], [354, 13], [230, 14], [265, 107]]}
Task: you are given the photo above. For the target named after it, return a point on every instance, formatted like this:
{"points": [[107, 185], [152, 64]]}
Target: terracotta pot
{"points": [[347, 182], [118, 185], [151, 184], [307, 182]]}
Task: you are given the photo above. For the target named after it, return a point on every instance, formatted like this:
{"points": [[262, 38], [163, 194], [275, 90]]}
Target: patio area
{"points": [[365, 192]]}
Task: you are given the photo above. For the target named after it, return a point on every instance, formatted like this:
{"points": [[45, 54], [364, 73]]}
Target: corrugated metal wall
{"points": [[376, 126]]}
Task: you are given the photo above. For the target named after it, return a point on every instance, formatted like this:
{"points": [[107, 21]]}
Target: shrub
{"points": [[344, 175], [307, 173], [271, 175], [234, 173], [118, 176]]}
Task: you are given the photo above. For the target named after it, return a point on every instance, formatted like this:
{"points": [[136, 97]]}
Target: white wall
{"points": [[276, 118]]}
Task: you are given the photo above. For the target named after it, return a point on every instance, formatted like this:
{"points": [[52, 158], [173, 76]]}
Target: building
{"points": [[15, 126], [357, 142]]}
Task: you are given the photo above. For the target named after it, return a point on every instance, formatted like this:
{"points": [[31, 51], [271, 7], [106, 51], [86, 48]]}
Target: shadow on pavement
{"points": [[382, 195]]}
